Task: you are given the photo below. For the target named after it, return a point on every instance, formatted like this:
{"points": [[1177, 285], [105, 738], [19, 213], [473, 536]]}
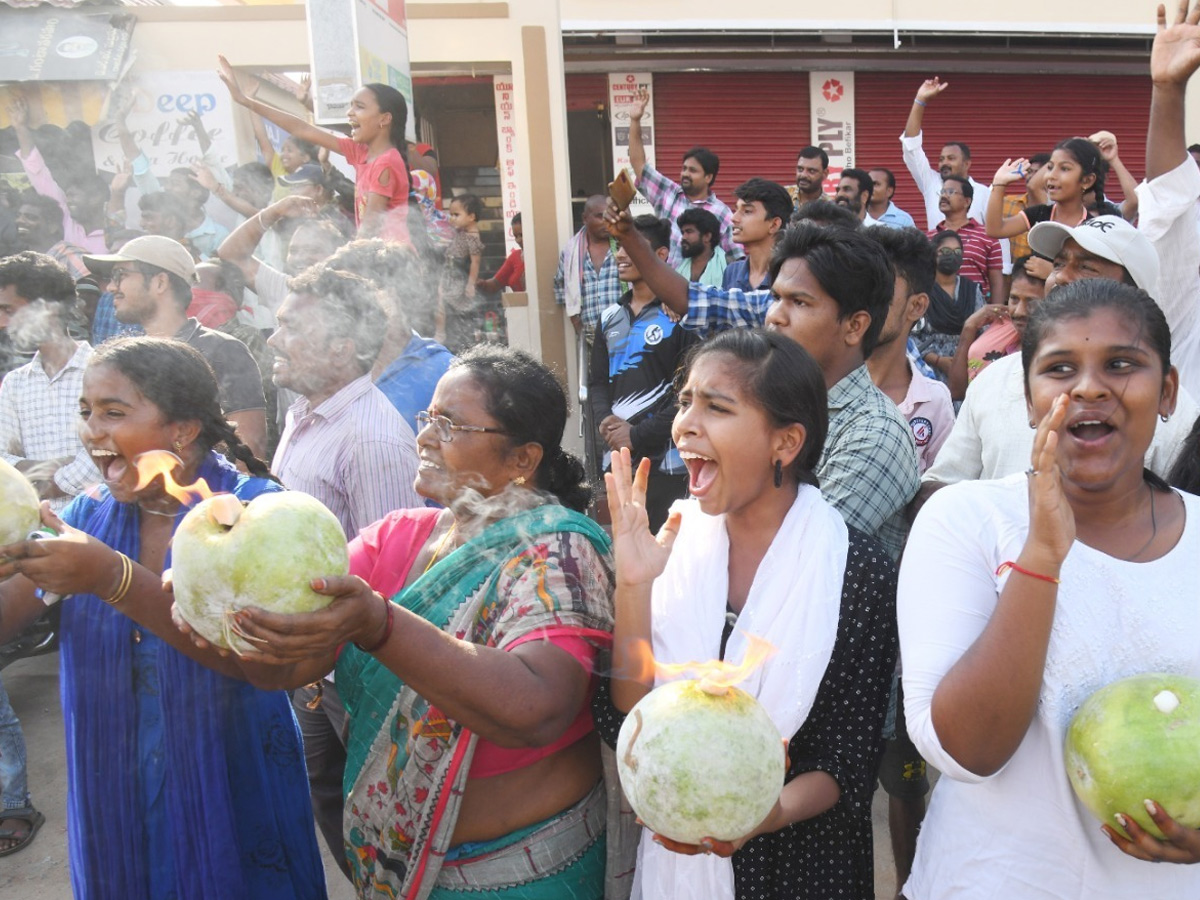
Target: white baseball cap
{"points": [[1109, 237], [151, 249]]}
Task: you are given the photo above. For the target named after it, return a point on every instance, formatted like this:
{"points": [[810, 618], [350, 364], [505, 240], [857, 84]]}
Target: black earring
{"points": [[779, 473]]}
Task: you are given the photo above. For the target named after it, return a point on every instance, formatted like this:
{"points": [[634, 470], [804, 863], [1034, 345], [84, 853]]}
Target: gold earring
{"points": [[178, 446], [520, 479]]}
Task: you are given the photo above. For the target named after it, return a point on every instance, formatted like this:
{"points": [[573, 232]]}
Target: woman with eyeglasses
{"points": [[953, 300], [464, 642]]}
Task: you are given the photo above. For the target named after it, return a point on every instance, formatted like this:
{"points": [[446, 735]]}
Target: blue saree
{"points": [[183, 784]]}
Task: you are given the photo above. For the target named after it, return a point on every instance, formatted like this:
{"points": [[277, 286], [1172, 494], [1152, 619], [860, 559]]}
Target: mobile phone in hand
{"points": [[621, 190]]}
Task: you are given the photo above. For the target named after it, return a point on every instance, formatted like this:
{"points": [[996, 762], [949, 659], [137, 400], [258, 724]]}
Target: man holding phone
{"points": [[694, 189]]}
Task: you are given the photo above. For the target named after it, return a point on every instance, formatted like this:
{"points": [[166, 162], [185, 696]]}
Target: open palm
{"points": [[641, 556], [1176, 51]]}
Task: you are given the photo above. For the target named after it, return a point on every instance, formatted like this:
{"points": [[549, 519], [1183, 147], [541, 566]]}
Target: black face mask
{"points": [[949, 263]]}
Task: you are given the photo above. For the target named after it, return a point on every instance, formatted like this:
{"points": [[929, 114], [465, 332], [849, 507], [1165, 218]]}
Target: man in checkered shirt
{"points": [[39, 402], [696, 178]]}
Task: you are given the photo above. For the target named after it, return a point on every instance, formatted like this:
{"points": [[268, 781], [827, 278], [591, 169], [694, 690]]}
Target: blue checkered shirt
{"points": [[601, 289], [714, 309]]}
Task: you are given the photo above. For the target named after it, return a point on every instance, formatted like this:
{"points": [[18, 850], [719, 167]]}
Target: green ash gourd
{"points": [[227, 555], [700, 760], [1138, 739]]}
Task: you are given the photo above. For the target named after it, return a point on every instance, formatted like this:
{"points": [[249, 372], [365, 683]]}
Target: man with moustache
{"points": [[699, 238], [696, 178], [812, 168], [151, 280], [881, 208], [347, 446], [854, 193], [955, 159], [983, 259]]}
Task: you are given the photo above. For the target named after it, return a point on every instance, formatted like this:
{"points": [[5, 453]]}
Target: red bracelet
{"points": [[1012, 565], [387, 630]]}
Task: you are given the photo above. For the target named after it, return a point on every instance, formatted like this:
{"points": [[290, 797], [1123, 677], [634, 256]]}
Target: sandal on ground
{"points": [[31, 817]]}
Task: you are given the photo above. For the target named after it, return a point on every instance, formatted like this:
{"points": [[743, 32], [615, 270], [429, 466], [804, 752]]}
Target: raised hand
{"points": [[227, 75], [120, 182], [1107, 142], [930, 88], [205, 176], [619, 221], [1051, 519], [1011, 170], [641, 99], [640, 555], [18, 112], [1175, 54]]}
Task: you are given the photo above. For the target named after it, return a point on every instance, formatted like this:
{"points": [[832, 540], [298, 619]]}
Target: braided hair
{"points": [[179, 381]]}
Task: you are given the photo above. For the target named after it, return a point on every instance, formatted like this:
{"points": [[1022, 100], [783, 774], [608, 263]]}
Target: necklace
{"points": [[1153, 527], [440, 547], [157, 512]]}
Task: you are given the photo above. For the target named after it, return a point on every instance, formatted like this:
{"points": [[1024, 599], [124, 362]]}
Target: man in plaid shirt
{"points": [[669, 199], [39, 402]]}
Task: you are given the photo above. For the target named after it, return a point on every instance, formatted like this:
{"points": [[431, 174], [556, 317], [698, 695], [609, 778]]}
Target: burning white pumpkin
{"points": [[19, 506], [699, 759]]}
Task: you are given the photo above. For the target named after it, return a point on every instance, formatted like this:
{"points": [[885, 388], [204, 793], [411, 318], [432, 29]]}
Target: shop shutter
{"points": [[999, 116], [754, 121], [584, 91]]}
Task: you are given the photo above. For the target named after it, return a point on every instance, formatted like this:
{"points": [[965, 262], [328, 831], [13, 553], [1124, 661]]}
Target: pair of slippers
{"points": [[23, 836]]}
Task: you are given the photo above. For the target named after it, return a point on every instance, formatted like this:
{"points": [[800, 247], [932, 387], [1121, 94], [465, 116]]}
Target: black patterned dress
{"points": [[828, 857]]}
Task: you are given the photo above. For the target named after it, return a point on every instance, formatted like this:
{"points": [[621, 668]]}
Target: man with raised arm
{"points": [[669, 199], [955, 159]]}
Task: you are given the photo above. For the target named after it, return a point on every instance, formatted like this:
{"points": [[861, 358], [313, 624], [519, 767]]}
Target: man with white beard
{"points": [[39, 401]]}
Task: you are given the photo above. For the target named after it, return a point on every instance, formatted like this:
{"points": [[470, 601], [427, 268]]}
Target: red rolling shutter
{"points": [[584, 91], [754, 121], [999, 116]]}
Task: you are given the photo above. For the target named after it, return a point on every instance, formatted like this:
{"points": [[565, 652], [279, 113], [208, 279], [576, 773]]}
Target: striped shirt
{"points": [[39, 419], [981, 254], [353, 452], [669, 201]]}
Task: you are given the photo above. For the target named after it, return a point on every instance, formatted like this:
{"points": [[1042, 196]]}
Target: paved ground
{"points": [[40, 871]]}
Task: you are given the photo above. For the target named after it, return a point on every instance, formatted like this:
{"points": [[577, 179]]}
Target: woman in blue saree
{"points": [[465, 640], [184, 781]]}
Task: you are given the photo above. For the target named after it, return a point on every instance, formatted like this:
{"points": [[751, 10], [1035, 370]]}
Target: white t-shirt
{"points": [[1021, 833], [992, 438]]}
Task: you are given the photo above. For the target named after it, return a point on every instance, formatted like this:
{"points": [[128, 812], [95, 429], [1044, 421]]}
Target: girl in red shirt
{"points": [[376, 148]]}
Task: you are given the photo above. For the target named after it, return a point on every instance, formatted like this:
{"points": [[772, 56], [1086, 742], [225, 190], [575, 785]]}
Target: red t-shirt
{"points": [[386, 175], [512, 273]]}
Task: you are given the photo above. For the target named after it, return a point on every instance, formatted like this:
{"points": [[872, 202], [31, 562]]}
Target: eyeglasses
{"points": [[445, 428], [116, 276], [949, 193], [949, 251]]}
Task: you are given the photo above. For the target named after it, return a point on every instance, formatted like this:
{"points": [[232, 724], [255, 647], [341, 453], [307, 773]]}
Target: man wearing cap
{"points": [[992, 438], [151, 280]]}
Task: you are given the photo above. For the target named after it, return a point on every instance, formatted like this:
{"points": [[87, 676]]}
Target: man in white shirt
{"points": [[992, 437], [955, 159], [39, 402]]}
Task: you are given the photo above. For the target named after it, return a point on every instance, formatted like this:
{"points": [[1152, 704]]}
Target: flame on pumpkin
{"points": [[153, 463], [716, 676]]}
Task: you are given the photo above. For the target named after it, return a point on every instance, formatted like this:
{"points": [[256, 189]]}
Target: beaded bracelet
{"points": [[1012, 565], [125, 583], [387, 630]]}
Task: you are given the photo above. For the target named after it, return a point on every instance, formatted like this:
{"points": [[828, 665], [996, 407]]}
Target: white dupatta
{"points": [[794, 602]]}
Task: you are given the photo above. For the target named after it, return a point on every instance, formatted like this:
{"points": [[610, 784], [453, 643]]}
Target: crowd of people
{"points": [[949, 472]]}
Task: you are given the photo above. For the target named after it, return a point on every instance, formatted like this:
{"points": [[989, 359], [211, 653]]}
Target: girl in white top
{"points": [[1018, 598]]}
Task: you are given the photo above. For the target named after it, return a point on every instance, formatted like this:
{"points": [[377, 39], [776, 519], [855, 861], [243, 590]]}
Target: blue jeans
{"points": [[14, 793]]}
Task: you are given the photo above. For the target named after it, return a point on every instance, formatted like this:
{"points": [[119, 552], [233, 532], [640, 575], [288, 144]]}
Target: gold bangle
{"points": [[125, 583]]}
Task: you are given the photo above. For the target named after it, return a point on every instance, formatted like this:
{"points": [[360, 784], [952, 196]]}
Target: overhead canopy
{"points": [[52, 43]]}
